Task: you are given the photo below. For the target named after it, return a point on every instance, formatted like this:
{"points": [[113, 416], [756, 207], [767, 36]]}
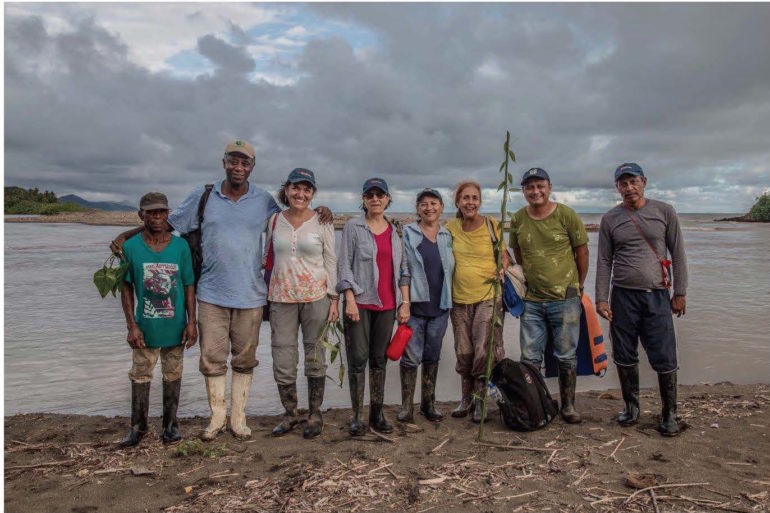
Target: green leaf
{"points": [[499, 322], [513, 156], [510, 178], [342, 373], [328, 345], [333, 355], [502, 166], [101, 282]]}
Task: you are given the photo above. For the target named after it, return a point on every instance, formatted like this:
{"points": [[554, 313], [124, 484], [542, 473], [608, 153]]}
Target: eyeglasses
{"points": [[235, 162], [374, 194]]}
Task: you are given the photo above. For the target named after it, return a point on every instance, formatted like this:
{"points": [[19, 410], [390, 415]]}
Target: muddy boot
{"points": [[315, 392], [239, 396], [629, 384], [377, 420], [215, 388], [667, 384], [466, 402], [140, 406], [477, 403], [288, 394], [170, 405], [567, 382], [408, 379], [428, 389], [357, 383]]}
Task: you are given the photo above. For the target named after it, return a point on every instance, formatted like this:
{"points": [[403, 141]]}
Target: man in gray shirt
{"points": [[635, 238]]}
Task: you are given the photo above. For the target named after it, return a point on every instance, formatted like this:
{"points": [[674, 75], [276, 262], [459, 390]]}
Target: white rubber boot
{"points": [[239, 394], [215, 387]]}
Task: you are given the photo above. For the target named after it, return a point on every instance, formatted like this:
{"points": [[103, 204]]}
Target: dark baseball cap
{"points": [[629, 168], [429, 192], [153, 201], [535, 172], [376, 183], [301, 174]]}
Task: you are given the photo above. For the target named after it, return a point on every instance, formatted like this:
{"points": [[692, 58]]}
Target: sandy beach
{"points": [[720, 462]]}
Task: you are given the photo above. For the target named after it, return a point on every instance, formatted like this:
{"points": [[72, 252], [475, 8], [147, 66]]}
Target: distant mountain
{"points": [[99, 205]]}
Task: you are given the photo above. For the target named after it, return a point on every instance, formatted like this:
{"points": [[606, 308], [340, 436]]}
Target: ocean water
{"points": [[65, 348]]}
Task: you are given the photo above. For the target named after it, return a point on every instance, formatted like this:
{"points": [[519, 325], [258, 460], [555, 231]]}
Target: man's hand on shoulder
{"points": [[325, 215]]}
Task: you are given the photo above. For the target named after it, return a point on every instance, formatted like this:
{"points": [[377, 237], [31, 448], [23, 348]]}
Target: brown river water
{"points": [[65, 348]]}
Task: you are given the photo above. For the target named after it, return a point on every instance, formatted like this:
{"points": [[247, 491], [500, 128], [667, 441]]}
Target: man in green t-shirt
{"points": [[160, 275], [551, 244]]}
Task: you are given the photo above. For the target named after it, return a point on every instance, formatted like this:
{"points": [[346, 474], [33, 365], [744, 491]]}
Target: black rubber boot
{"points": [[377, 420], [315, 392], [140, 406], [667, 384], [428, 389], [466, 401], [629, 384], [170, 404], [567, 383], [477, 402], [288, 394], [408, 380], [357, 384]]}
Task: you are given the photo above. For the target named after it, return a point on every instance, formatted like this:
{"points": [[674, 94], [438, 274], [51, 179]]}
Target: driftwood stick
{"points": [[439, 446], [38, 465], [515, 448], [654, 501], [622, 439], [380, 435], [678, 485]]}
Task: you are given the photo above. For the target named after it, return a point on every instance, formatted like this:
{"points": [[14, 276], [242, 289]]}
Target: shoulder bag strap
{"points": [[202, 203], [665, 264]]}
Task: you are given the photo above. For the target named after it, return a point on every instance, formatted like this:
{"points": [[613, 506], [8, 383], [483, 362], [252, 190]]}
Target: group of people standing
{"points": [[421, 274]]}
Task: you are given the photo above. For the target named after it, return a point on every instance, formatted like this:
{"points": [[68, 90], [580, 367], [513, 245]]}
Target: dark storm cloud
{"points": [[679, 88]]}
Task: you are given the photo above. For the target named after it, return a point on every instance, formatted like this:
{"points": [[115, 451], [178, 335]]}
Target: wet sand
{"points": [[720, 462]]}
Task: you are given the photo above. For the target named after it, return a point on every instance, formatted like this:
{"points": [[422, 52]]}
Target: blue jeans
{"points": [[427, 336], [559, 319]]}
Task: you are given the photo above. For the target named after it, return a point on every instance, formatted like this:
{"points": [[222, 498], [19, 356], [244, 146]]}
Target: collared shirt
{"points": [[231, 274], [357, 263], [418, 282]]}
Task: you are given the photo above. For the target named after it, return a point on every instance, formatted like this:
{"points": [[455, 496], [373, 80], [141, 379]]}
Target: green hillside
{"points": [[32, 201]]}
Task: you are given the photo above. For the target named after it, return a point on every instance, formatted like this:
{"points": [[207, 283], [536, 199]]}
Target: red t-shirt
{"points": [[385, 266]]}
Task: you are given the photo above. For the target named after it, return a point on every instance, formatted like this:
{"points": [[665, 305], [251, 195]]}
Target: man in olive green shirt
{"points": [[551, 244]]}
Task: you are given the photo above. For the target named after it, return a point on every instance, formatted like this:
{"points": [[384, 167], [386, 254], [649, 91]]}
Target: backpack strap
{"points": [[493, 236], [202, 203]]}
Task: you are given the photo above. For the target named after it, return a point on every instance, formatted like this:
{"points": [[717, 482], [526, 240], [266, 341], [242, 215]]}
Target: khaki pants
{"points": [[145, 358], [285, 320], [226, 331], [471, 325]]}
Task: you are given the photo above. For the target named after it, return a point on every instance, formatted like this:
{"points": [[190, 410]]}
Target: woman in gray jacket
{"points": [[428, 249], [373, 278]]}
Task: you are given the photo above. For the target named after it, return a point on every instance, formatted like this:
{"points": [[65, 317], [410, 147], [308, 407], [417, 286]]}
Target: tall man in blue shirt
{"points": [[231, 291]]}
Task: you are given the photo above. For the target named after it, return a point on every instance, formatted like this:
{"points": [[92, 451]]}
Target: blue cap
{"points": [[535, 172], [376, 183], [301, 174], [628, 168], [429, 192]]}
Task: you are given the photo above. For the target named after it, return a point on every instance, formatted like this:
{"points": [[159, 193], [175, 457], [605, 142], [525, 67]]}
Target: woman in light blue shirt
{"points": [[428, 249]]}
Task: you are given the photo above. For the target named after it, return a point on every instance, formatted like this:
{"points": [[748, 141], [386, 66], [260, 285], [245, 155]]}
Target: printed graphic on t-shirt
{"points": [[160, 283]]}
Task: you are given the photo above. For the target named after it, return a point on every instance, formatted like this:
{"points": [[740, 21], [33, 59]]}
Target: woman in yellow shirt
{"points": [[472, 294]]}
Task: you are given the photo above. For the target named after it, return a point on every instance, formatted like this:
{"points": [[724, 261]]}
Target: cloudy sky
{"points": [[109, 101]]}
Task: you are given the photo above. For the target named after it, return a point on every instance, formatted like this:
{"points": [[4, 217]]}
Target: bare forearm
{"points": [[127, 302], [189, 303], [581, 259]]}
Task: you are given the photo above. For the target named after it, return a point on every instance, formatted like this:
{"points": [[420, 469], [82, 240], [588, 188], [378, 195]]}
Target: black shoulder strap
{"points": [[202, 203], [493, 236]]}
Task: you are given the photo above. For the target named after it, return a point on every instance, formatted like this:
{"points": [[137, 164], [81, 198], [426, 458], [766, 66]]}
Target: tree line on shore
{"points": [[31, 201]]}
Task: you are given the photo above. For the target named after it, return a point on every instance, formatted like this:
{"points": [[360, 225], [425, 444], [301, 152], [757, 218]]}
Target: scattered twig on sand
{"points": [[622, 439], [39, 465], [439, 446], [380, 435], [514, 448], [677, 485], [654, 501]]}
